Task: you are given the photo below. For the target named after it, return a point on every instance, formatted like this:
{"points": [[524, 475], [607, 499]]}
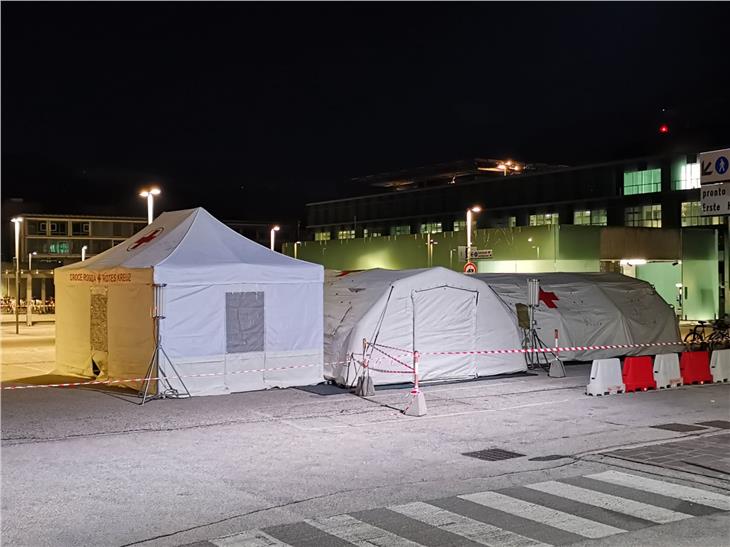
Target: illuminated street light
{"points": [[150, 195], [17, 221], [296, 244], [83, 252], [273, 235], [469, 212], [30, 260]]}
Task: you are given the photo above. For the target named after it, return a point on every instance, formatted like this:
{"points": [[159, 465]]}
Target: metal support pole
{"points": [[29, 300]]}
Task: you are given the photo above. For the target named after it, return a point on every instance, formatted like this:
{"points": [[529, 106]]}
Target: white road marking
{"points": [[360, 533], [544, 515], [250, 538], [610, 502], [471, 529], [669, 489]]}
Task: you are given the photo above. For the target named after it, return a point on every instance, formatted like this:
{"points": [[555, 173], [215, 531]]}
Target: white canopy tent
{"points": [[591, 309], [237, 316], [429, 310]]}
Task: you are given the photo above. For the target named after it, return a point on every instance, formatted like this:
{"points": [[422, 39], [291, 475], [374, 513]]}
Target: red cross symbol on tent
{"points": [[144, 239], [549, 298]]}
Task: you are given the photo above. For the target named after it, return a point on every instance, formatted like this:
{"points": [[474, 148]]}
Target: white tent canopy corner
{"points": [[432, 311], [237, 316]]}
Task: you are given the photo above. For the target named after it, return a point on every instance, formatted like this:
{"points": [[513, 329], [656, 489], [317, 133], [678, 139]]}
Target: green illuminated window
{"points": [[400, 230], [596, 217], [689, 177], [646, 216], [643, 182], [544, 219], [322, 236], [692, 215], [346, 234], [59, 247], [431, 228]]}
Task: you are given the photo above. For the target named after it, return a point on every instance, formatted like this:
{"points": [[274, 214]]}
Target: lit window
{"points": [[431, 228], [346, 234], [400, 230], [370, 233], [643, 182], [689, 177], [512, 222], [692, 215], [322, 236], [544, 219], [646, 216], [596, 217], [58, 247]]}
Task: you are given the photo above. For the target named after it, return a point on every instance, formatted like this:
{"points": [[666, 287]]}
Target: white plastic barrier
{"points": [[605, 378], [720, 365], [666, 371]]}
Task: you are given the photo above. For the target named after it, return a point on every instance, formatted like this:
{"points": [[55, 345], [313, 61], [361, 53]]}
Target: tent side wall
{"points": [[225, 338], [104, 318]]}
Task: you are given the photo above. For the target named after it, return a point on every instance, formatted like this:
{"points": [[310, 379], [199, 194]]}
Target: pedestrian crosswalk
{"points": [[559, 512]]}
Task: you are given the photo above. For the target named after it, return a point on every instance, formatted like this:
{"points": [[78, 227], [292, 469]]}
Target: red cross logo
{"points": [[145, 239], [549, 298]]}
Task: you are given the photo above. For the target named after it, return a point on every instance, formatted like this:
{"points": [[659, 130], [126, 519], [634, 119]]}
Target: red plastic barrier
{"points": [[695, 367], [638, 373]]}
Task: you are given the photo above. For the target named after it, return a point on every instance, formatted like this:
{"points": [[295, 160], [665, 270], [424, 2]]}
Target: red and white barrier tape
{"points": [[533, 350], [130, 380]]}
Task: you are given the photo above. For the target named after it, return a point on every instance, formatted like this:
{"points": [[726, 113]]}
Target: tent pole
{"points": [[154, 371]]}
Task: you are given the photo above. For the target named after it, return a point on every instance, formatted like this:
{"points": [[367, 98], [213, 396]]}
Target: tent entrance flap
{"points": [[444, 319]]}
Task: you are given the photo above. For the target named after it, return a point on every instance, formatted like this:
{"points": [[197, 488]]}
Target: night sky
{"points": [[252, 110]]}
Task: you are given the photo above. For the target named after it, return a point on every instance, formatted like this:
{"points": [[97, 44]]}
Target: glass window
{"points": [[689, 177], [371, 233], [59, 227], [596, 217], [33, 227], [59, 247], [544, 219], [400, 230], [512, 222], [691, 215], [322, 236], [431, 228], [643, 182], [79, 228], [460, 225], [646, 216], [346, 234]]}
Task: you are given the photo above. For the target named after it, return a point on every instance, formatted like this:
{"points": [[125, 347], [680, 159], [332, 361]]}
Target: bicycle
{"points": [[695, 339], [720, 336]]}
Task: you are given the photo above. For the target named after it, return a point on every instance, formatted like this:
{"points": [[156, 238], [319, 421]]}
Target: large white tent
{"points": [[591, 309], [429, 310], [237, 316]]}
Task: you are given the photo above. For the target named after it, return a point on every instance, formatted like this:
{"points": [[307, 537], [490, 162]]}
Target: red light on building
{"points": [[664, 128]]}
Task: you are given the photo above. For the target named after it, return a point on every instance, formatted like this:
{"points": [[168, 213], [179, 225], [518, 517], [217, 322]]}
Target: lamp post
{"points": [[469, 213], [30, 260], [29, 290], [150, 195], [17, 221], [296, 244], [273, 235], [83, 252]]}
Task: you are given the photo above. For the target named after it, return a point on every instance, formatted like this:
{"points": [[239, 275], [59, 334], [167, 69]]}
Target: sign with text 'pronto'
{"points": [[715, 199], [715, 182]]}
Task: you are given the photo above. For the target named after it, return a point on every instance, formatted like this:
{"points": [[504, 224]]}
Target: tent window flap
{"points": [[244, 322], [98, 322]]}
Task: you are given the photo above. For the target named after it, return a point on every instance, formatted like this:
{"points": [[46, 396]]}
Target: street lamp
{"points": [[30, 259], [83, 252], [469, 212], [150, 195], [17, 221], [273, 235], [296, 244]]}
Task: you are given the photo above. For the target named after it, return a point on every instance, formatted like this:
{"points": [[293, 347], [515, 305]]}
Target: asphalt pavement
{"points": [[92, 467]]}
